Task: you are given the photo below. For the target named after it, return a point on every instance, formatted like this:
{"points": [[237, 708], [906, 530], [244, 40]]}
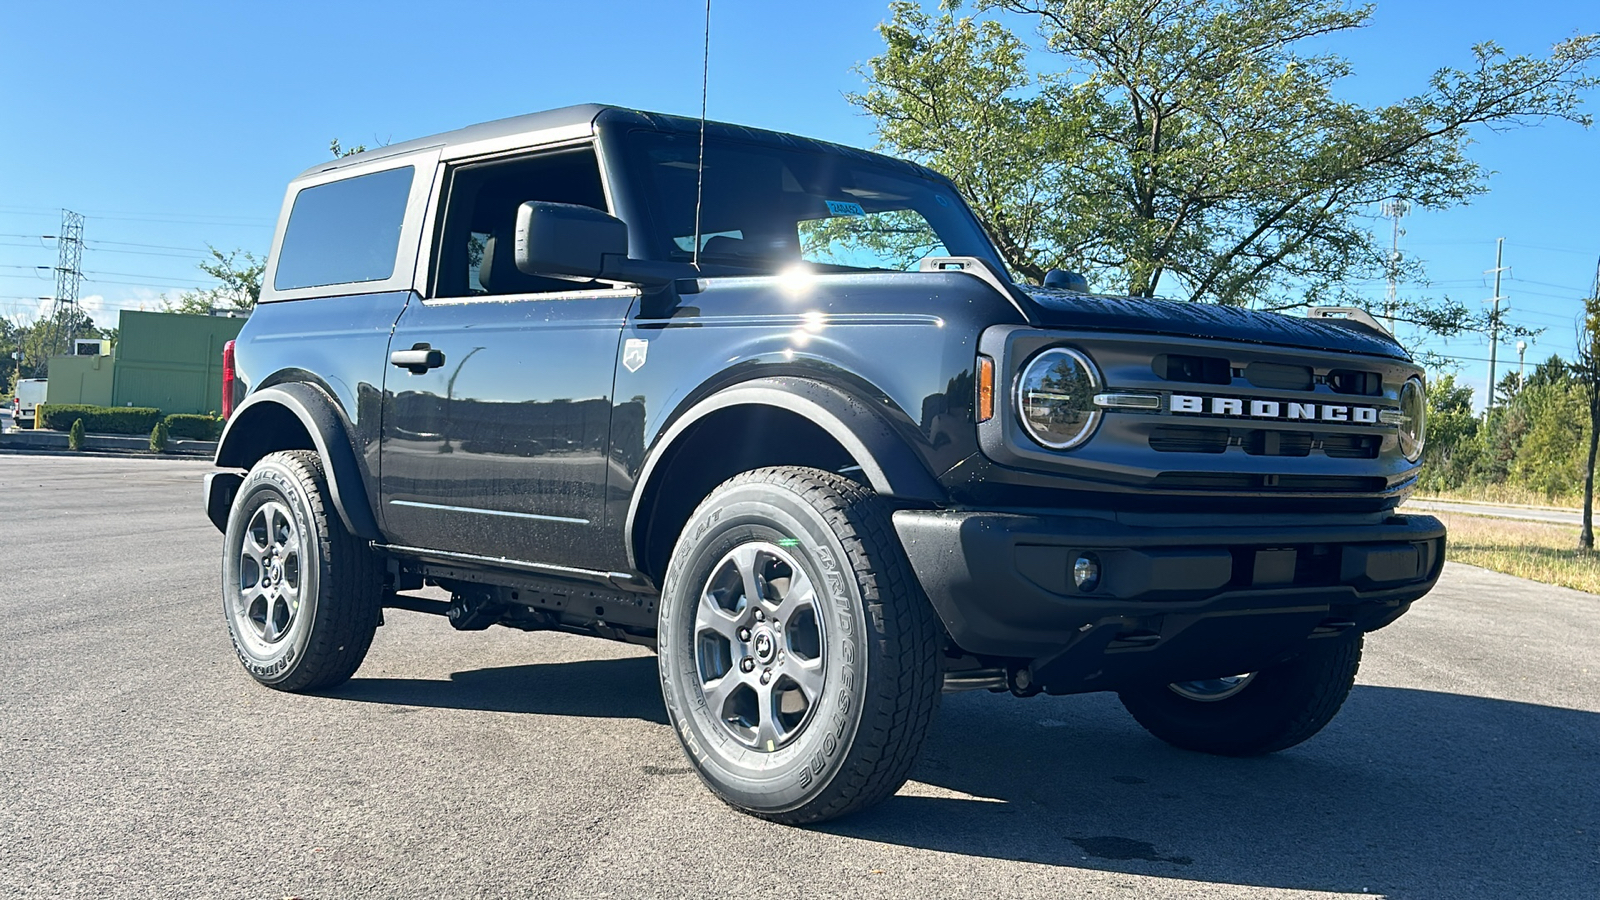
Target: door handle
{"points": [[419, 359]]}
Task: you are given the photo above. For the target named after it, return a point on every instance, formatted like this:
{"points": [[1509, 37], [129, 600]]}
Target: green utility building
{"points": [[170, 361]]}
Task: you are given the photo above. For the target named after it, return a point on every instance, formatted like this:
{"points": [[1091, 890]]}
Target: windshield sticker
{"points": [[844, 208]]}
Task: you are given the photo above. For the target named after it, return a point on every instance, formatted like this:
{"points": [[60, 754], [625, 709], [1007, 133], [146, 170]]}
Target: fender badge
{"points": [[633, 354]]}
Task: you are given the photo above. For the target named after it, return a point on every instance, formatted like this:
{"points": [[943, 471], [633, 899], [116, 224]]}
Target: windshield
{"points": [[766, 208]]}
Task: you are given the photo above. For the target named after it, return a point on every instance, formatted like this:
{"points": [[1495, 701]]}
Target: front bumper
{"points": [[1173, 603]]}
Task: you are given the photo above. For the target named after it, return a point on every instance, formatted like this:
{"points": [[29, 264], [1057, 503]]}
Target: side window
{"points": [[895, 239], [344, 231], [475, 245]]}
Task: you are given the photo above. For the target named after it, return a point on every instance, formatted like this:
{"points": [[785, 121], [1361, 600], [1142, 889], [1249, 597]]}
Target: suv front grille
{"points": [[1213, 481], [1189, 439], [1262, 442]]}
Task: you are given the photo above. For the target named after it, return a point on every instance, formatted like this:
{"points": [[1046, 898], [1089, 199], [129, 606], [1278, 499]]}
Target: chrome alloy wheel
{"points": [[270, 574], [1211, 690], [759, 645]]}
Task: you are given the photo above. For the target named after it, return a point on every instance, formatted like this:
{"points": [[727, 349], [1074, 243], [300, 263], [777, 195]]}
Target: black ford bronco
{"points": [[774, 408]]}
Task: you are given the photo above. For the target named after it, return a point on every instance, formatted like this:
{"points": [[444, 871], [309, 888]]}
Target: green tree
{"points": [[238, 273], [1550, 457], [1453, 445], [1192, 146], [48, 336]]}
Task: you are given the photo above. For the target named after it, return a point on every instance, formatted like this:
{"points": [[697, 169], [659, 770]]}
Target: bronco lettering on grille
{"points": [[1241, 408]]}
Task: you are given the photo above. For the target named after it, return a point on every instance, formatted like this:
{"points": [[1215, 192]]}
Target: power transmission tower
{"points": [[1494, 318], [69, 273], [1394, 209]]}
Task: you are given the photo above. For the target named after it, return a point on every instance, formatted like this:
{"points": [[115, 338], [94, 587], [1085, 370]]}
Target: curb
{"points": [[104, 454]]}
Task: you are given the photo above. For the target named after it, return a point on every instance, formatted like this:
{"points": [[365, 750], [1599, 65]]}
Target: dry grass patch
{"points": [[1539, 551], [1506, 494]]}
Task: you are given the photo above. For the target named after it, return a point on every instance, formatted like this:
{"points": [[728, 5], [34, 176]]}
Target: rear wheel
{"points": [[797, 654], [1256, 713], [301, 595]]}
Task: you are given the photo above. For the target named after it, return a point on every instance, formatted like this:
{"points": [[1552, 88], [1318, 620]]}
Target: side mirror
{"points": [[570, 241]]}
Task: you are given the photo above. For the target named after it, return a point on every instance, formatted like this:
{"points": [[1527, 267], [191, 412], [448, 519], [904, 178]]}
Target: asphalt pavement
{"points": [[138, 760], [1500, 511]]}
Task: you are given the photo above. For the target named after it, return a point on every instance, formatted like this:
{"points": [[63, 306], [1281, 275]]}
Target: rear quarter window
{"points": [[345, 231]]}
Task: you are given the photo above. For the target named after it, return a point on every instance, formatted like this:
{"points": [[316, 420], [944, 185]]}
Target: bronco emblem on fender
{"points": [[633, 354]]}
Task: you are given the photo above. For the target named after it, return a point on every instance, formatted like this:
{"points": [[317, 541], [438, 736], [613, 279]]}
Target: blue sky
{"points": [[173, 125]]}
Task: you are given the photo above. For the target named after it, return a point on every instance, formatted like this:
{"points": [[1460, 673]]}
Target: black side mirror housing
{"points": [[570, 241]]}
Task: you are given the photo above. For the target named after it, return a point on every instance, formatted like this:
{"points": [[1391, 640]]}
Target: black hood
{"points": [[1066, 309]]}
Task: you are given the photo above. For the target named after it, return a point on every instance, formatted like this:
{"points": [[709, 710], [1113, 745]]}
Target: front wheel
{"points": [[301, 595], [798, 656], [1260, 712]]}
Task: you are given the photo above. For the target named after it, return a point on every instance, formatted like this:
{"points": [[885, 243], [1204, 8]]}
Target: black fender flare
{"points": [[330, 433], [887, 461]]}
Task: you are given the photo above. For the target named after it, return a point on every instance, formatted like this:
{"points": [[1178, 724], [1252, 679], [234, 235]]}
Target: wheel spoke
{"points": [[718, 691], [257, 549], [281, 532], [270, 629], [710, 616], [747, 559], [767, 733], [808, 675], [799, 596]]}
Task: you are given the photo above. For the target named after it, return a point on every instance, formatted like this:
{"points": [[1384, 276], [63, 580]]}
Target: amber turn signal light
{"points": [[985, 389]]}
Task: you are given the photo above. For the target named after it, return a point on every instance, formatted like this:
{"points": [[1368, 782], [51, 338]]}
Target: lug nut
{"points": [[747, 665], [760, 616], [766, 676], [744, 635]]}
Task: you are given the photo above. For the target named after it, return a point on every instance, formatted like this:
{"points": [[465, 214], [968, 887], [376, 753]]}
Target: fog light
{"points": [[1086, 572]]}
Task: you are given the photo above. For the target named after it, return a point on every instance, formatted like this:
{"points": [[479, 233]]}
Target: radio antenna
{"points": [[700, 167]]}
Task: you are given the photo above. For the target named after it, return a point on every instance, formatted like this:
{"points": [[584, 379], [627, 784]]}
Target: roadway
{"points": [[138, 760]]}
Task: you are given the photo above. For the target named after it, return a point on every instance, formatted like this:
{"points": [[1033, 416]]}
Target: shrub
{"points": [[75, 435], [98, 419], [194, 427], [158, 438]]}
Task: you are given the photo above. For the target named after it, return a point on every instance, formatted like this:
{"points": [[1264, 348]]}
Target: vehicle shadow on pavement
{"points": [[598, 688], [1408, 793]]}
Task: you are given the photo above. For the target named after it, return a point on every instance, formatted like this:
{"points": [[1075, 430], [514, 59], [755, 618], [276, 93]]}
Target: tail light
{"points": [[227, 380]]}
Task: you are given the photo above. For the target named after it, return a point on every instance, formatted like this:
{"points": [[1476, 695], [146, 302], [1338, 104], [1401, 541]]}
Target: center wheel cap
{"points": [[765, 646]]}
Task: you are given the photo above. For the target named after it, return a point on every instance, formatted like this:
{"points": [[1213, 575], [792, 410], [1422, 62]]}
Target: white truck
{"points": [[30, 393]]}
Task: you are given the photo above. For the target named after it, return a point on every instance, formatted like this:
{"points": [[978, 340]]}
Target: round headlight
{"points": [[1055, 398], [1414, 418]]}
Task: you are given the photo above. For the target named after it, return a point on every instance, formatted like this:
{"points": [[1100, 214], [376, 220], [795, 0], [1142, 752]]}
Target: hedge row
{"points": [[98, 419], [194, 427]]}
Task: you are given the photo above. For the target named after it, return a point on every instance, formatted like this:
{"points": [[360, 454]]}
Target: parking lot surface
{"points": [[138, 760]]}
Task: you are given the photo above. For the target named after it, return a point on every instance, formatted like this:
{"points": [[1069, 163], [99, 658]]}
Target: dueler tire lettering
{"points": [[328, 620], [878, 645]]}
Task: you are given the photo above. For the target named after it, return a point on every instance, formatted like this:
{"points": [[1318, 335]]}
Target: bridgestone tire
{"points": [[1280, 707], [329, 584], [877, 647]]}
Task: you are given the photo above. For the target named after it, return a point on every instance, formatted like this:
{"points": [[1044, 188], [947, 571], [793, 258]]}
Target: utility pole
{"points": [[1522, 353], [69, 272], [1494, 319], [1394, 209]]}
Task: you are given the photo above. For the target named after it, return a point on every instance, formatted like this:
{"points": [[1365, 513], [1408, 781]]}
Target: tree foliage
{"points": [[238, 273], [1193, 147], [1536, 439]]}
